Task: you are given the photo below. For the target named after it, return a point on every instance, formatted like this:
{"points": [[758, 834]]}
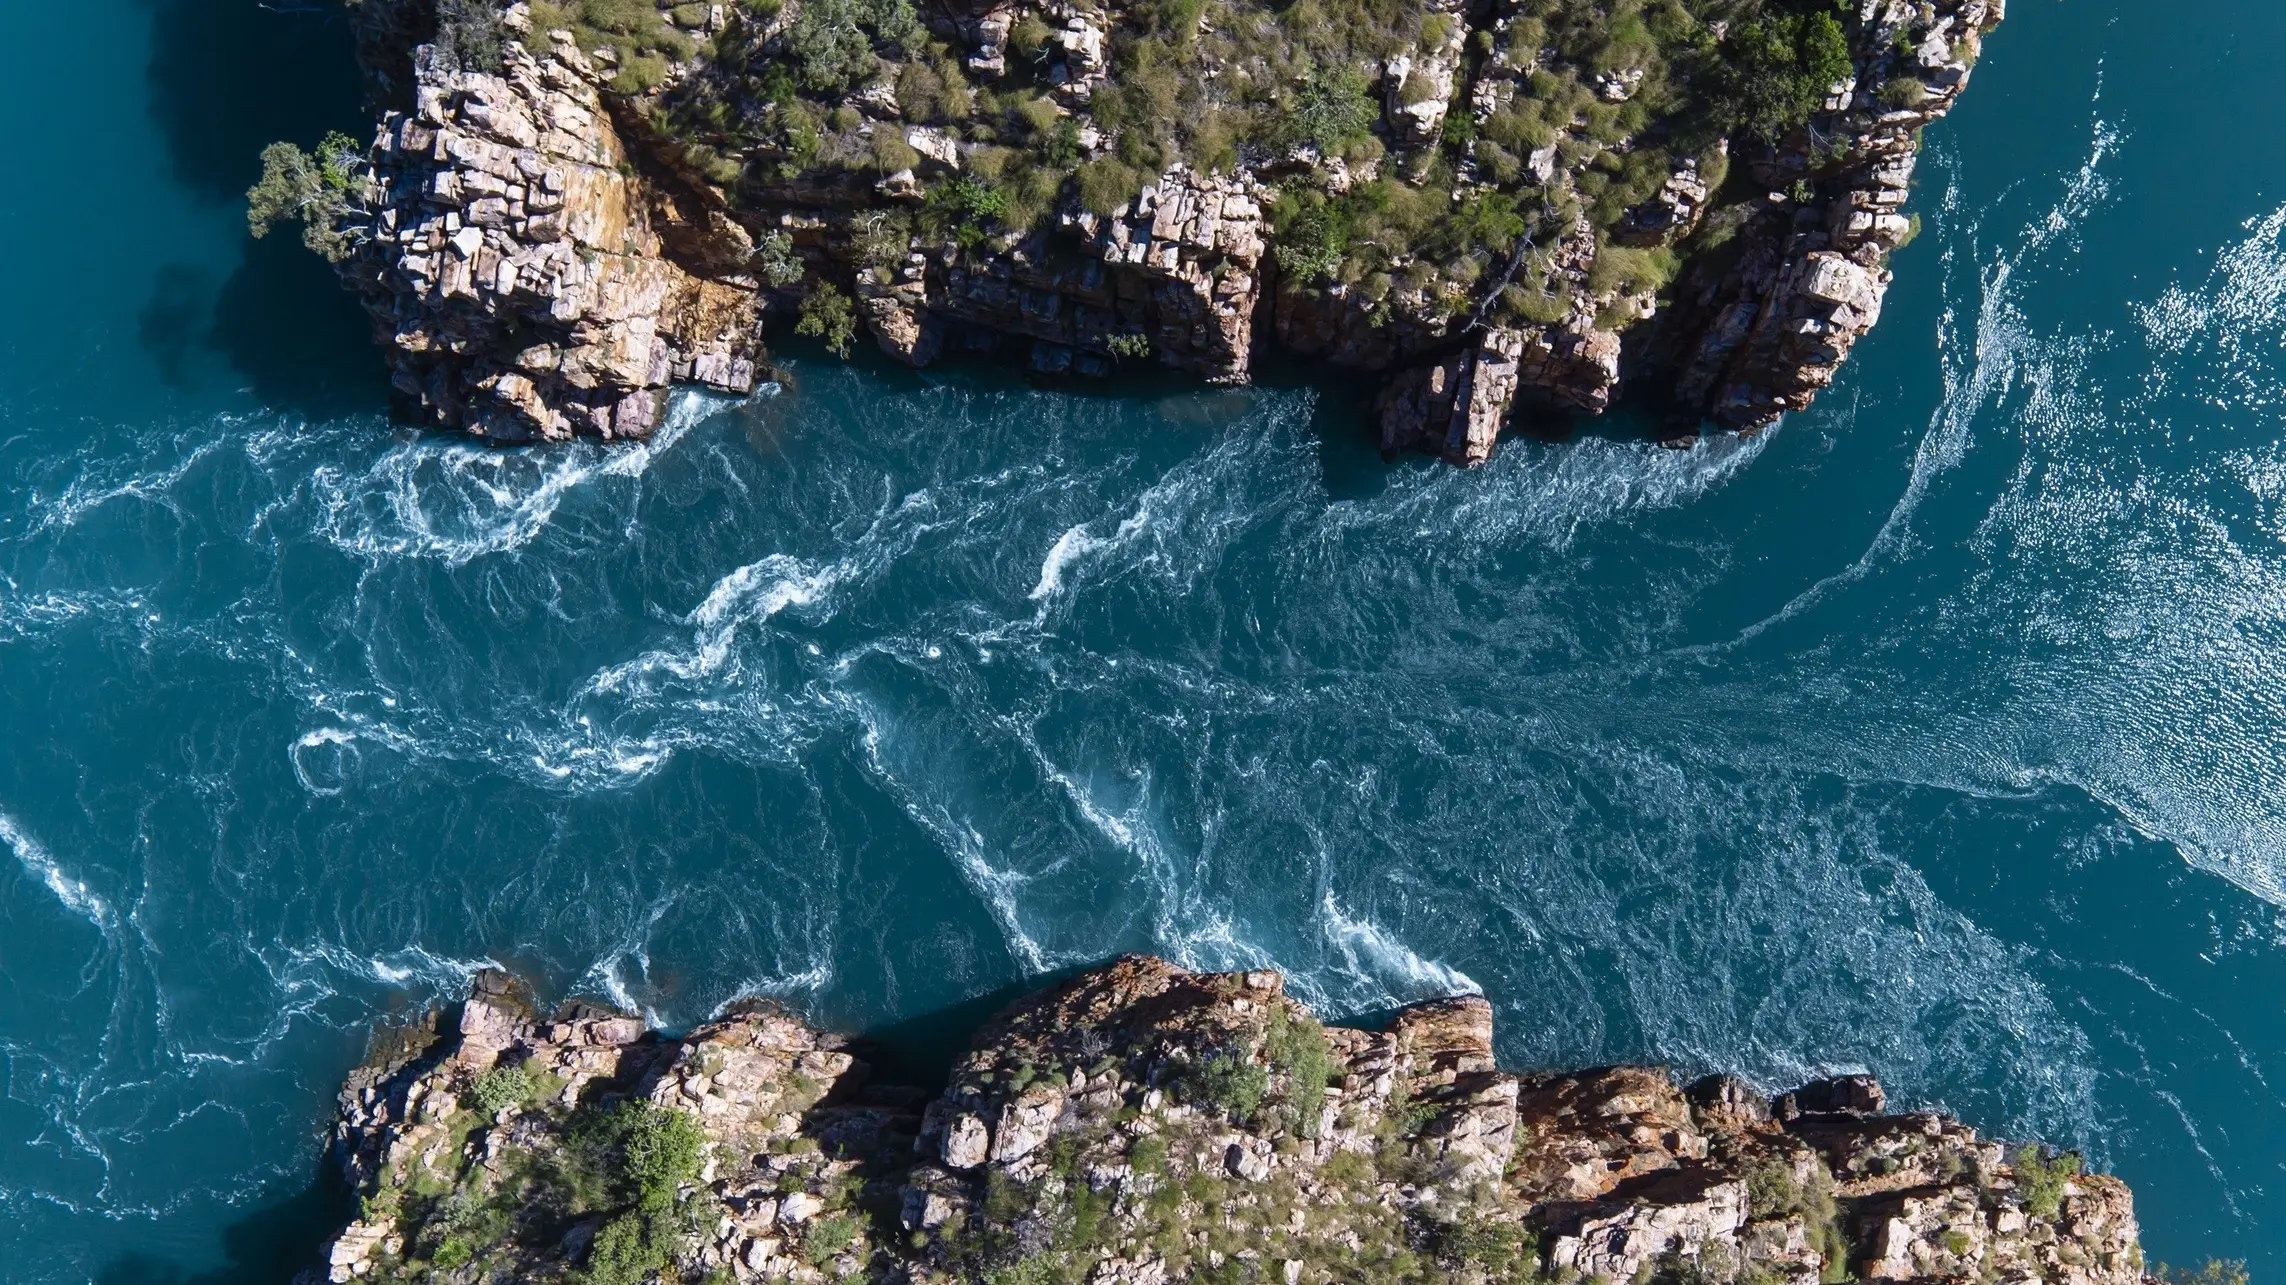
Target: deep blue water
{"points": [[1941, 732]]}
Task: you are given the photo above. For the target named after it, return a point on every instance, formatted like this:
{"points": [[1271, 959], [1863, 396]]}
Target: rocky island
{"points": [[567, 208], [1139, 1124]]}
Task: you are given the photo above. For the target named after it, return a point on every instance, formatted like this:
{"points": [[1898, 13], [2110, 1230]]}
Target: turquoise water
{"points": [[1937, 733]]}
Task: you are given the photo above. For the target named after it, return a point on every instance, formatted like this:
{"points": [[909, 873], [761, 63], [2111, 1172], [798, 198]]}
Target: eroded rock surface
{"points": [[511, 265], [1143, 1124], [547, 249]]}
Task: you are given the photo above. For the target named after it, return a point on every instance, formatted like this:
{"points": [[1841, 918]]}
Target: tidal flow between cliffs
{"points": [[1496, 203], [1139, 1124]]}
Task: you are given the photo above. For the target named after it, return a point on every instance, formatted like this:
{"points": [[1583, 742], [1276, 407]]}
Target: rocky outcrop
{"points": [[1765, 335], [547, 248], [1143, 1124], [511, 266]]}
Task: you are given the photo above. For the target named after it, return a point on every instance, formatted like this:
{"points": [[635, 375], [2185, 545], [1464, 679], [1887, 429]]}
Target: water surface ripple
{"points": [[1936, 733]]}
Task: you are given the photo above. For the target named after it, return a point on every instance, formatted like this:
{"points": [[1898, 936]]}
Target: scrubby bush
{"points": [[933, 90], [1313, 235], [1628, 270], [967, 209], [1296, 1045], [827, 1237], [1903, 93], [1106, 184], [470, 33], [2040, 1179], [1332, 109], [828, 314], [1778, 69], [1230, 1081], [501, 1086], [633, 1161]]}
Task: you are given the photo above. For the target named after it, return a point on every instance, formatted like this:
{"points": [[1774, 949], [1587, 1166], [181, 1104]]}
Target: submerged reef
{"points": [[1140, 1124], [567, 208]]}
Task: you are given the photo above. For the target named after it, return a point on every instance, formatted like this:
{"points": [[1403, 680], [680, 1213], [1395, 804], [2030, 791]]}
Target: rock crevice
{"points": [[1143, 1124], [546, 248]]}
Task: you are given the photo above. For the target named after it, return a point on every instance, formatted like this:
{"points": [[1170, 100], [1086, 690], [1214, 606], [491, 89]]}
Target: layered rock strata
{"points": [[511, 266], [544, 253], [1142, 1124], [1763, 331]]}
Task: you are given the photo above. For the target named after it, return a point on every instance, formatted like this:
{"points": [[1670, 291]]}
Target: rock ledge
{"points": [[1142, 1124]]}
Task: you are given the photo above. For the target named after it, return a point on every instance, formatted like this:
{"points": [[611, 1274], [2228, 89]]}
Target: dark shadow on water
{"points": [[229, 77], [267, 1247], [226, 79], [302, 343], [920, 1050], [171, 325]]}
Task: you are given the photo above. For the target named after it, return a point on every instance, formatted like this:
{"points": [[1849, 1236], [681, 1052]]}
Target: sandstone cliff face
{"points": [[1765, 335], [1142, 1124], [545, 254], [511, 265]]}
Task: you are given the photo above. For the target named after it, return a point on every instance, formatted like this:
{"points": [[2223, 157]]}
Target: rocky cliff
{"points": [[1142, 1124], [568, 208]]}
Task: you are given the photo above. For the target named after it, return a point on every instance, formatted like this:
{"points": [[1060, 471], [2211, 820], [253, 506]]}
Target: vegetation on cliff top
{"points": [[1599, 103], [1432, 167]]}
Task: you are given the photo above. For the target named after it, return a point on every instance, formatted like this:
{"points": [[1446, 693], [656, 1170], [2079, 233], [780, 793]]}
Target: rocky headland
{"points": [[568, 208], [1140, 1124]]}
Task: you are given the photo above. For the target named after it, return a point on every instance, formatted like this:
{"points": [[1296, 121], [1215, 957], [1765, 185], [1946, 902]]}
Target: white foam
{"points": [[85, 494], [74, 893], [1369, 950], [455, 502], [1975, 374], [1079, 543], [998, 887]]}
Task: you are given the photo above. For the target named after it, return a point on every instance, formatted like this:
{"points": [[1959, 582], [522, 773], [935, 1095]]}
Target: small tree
{"points": [[775, 259], [318, 191], [828, 314]]}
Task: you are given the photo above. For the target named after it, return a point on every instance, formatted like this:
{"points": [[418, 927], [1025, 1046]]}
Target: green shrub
{"points": [[833, 40], [1296, 1045], [826, 1237], [2040, 1179], [1229, 1081], [1106, 185], [1539, 306], [1029, 36], [968, 207], [1904, 93], [470, 33], [1333, 109], [934, 91], [1496, 1249], [500, 1087], [1771, 1190], [1778, 69], [891, 153], [623, 1253], [1628, 270], [828, 314], [1149, 1155]]}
